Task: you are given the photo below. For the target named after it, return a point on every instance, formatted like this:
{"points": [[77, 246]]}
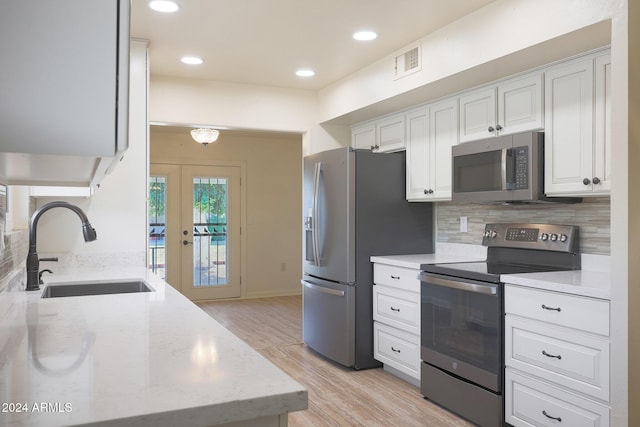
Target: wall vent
{"points": [[408, 61]]}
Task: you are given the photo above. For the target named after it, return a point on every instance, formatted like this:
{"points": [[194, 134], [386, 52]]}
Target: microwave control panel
{"points": [[522, 170]]}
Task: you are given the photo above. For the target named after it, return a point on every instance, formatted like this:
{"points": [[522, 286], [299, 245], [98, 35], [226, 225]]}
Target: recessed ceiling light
{"points": [[164, 6], [191, 60], [305, 73], [365, 35]]}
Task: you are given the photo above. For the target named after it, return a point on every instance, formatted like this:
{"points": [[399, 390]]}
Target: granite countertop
{"points": [[130, 359]]}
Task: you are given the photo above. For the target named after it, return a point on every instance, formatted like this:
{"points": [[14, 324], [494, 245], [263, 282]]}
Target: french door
{"points": [[202, 221]]}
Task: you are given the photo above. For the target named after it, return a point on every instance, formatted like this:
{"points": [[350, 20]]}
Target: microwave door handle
{"points": [[503, 168], [507, 169]]}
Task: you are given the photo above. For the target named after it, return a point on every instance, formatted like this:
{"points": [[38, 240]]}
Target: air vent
{"points": [[408, 61]]}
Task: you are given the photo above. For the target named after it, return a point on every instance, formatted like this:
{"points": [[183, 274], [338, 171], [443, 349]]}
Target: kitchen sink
{"points": [[74, 289]]}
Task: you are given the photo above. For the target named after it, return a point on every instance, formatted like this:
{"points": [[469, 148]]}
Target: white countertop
{"points": [[445, 253], [131, 359], [596, 284]]}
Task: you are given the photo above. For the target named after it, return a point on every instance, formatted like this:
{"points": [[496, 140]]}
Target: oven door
{"points": [[462, 328]]}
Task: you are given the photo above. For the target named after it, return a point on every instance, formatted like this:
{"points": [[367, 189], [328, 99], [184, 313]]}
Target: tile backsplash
{"points": [[593, 216]]}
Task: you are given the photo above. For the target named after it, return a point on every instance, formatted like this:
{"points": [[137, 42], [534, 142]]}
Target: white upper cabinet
{"points": [[390, 134], [602, 137], [381, 136], [364, 136], [512, 106], [577, 133], [64, 103], [431, 132]]}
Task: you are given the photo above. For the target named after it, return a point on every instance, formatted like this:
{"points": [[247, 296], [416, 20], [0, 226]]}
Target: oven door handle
{"points": [[456, 284]]}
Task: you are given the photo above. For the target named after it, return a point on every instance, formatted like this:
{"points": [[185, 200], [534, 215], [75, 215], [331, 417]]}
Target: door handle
{"points": [[322, 289], [186, 242]]}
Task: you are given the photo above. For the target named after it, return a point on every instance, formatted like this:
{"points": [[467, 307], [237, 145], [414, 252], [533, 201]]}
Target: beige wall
{"points": [[272, 165]]}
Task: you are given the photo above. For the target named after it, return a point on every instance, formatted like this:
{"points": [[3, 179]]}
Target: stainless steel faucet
{"points": [[33, 261]]}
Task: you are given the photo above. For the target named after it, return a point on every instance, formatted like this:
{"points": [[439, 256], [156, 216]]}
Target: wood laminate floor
{"points": [[337, 396]]}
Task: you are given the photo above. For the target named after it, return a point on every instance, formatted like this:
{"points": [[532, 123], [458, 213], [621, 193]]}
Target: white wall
{"points": [[118, 209], [497, 32], [231, 105]]}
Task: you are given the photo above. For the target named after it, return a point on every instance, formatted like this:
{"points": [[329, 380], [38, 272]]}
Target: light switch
{"points": [[463, 224]]}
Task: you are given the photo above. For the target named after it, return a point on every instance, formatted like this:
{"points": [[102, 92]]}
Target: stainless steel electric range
{"points": [[462, 315]]}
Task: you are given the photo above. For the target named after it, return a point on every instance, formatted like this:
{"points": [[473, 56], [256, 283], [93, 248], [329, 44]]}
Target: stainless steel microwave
{"points": [[506, 169]]}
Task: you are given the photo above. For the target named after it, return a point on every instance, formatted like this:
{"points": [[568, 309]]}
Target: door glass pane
{"points": [[157, 224], [210, 251]]}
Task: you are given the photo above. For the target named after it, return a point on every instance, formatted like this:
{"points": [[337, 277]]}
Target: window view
{"points": [[157, 224], [210, 231]]}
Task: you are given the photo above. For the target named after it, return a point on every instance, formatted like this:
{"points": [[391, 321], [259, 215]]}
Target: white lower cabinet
{"points": [[530, 402], [557, 358], [396, 320]]}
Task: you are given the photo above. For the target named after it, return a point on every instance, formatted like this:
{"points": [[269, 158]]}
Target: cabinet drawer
{"points": [[528, 400], [397, 308], [585, 314], [559, 355], [396, 348], [396, 277]]}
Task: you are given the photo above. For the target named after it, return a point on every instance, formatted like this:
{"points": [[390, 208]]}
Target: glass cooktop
{"points": [[482, 270]]}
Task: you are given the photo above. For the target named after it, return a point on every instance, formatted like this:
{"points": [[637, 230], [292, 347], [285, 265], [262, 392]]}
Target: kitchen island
{"points": [[148, 358]]}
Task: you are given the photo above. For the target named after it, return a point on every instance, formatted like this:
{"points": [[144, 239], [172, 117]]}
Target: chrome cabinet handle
{"points": [[558, 309], [558, 419], [551, 355]]}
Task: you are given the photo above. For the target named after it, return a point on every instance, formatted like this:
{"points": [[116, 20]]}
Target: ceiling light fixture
{"points": [[205, 136], [164, 6], [305, 73], [365, 35], [191, 60]]}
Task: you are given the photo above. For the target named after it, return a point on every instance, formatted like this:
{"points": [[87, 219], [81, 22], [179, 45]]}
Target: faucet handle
{"points": [[53, 259], [40, 275]]}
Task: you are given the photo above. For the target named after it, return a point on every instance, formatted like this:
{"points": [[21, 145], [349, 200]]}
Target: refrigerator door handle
{"points": [[315, 212], [322, 289]]}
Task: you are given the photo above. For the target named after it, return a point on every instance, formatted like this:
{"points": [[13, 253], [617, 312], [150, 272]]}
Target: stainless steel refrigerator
{"points": [[354, 206]]}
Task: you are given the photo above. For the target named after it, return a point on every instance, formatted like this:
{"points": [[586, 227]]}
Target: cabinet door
{"points": [[520, 105], [602, 139], [443, 135], [569, 128], [478, 114], [390, 134], [418, 155], [64, 88], [364, 136]]}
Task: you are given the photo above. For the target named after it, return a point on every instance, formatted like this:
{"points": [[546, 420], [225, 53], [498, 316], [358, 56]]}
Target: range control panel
{"points": [[555, 237]]}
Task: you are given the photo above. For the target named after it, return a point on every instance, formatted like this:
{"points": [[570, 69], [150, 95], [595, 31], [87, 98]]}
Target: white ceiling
{"points": [[263, 42]]}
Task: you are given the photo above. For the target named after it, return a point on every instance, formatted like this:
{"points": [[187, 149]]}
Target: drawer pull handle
{"points": [[558, 419], [551, 308], [551, 355], [395, 277], [395, 309], [395, 350]]}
